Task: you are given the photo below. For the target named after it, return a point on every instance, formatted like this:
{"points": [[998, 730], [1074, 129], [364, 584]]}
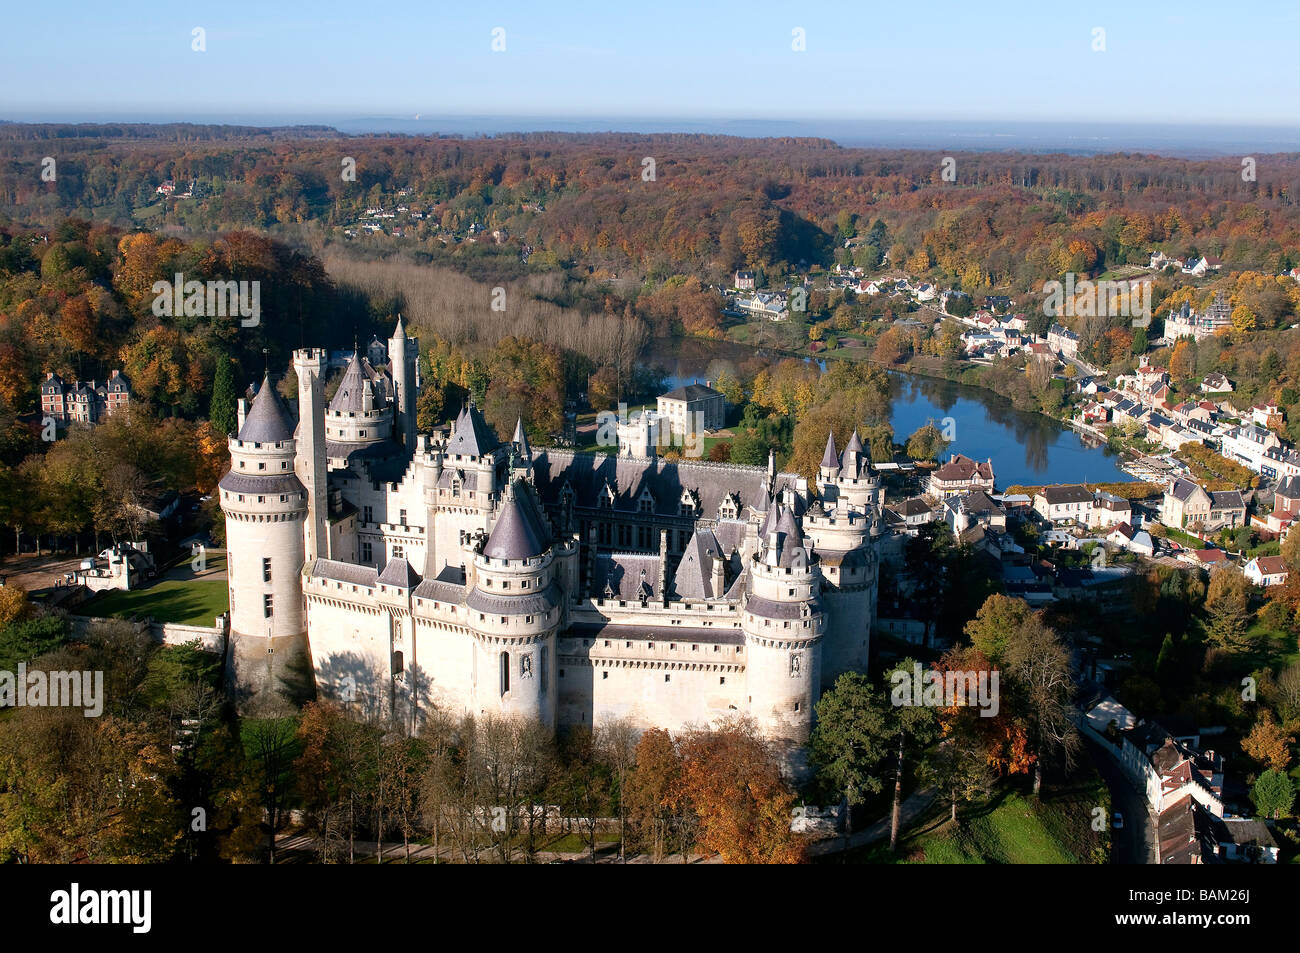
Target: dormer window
{"points": [[646, 503]]}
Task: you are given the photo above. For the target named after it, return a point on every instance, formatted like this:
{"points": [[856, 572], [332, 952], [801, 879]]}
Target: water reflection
{"points": [[1026, 448]]}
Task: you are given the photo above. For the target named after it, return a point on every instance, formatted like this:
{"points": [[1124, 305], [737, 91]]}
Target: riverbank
{"points": [[1026, 445]]}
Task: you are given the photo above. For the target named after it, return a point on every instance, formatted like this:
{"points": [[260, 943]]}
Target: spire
{"points": [[855, 443], [520, 439], [830, 459]]}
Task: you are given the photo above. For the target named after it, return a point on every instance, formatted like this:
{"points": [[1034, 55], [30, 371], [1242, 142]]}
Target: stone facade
{"points": [[485, 577]]}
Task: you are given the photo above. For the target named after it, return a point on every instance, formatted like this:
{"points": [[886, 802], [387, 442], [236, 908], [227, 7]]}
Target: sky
{"points": [[1186, 62]]}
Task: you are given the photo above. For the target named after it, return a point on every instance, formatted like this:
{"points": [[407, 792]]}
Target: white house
{"points": [[1266, 570]]}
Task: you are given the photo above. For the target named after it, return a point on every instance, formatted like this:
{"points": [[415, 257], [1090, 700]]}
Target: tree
{"points": [[222, 408], [1038, 667], [996, 623], [913, 727], [616, 743], [271, 747], [1268, 743], [1273, 793], [926, 443], [652, 790], [1227, 608], [732, 777], [849, 741]]}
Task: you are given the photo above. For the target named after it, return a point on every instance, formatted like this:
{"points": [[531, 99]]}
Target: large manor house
{"points": [[487, 577]]}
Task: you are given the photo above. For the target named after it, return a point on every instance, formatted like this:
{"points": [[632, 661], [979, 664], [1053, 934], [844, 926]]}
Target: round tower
{"points": [[266, 511], [515, 604], [783, 625], [842, 537], [403, 353]]}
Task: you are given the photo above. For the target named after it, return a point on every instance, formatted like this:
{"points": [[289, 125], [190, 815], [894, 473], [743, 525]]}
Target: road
{"points": [[1135, 843]]}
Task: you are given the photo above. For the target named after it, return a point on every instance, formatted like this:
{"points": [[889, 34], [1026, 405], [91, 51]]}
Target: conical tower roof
{"points": [[520, 439], [830, 459], [518, 533], [268, 420]]}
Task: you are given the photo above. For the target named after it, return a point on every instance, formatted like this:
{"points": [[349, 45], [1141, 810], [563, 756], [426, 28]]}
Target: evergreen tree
{"points": [[222, 410]]}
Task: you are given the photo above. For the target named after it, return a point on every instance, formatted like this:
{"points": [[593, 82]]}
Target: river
{"points": [[1026, 448]]}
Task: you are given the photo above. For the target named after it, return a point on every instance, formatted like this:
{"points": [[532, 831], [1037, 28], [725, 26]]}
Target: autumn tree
{"points": [[732, 778], [1268, 743]]}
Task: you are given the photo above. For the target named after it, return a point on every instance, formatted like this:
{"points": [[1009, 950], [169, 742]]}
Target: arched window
{"points": [[505, 672], [398, 663]]}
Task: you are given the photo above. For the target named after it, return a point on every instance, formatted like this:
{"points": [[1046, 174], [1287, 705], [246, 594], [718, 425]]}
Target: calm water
{"points": [[1026, 448]]}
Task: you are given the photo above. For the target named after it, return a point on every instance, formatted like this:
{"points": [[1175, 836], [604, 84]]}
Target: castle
{"points": [[489, 577]]}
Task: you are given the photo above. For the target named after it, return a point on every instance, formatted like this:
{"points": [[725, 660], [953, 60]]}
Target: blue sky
{"points": [[1173, 62]]}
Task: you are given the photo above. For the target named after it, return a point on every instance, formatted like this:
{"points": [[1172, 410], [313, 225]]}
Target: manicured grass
{"points": [[187, 602]]}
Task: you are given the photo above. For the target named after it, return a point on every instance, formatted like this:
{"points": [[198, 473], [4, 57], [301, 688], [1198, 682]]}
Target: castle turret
{"points": [[404, 353], [515, 606], [830, 465], [782, 621], [842, 537], [266, 507], [309, 463]]}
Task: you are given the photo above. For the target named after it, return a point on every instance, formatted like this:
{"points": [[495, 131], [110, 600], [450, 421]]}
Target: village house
{"points": [[693, 408], [1187, 505], [907, 516], [84, 402], [1248, 445], [743, 281], [1125, 537], [960, 474], [1266, 415], [1266, 570], [1216, 383], [1063, 341], [1064, 504], [977, 508]]}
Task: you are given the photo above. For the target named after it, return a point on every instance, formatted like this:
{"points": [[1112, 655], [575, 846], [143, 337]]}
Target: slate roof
{"points": [[629, 478], [623, 574], [399, 573], [471, 435], [337, 571], [830, 459], [1067, 493], [649, 633], [519, 531], [692, 392], [268, 420], [350, 396]]}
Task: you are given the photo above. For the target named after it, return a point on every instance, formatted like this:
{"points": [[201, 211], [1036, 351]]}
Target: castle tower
{"points": [[854, 483], [783, 625], [843, 538], [310, 365], [404, 353], [266, 507], [515, 605]]}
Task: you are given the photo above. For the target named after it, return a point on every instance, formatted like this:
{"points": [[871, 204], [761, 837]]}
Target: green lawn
{"points": [[187, 602], [1010, 829]]}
